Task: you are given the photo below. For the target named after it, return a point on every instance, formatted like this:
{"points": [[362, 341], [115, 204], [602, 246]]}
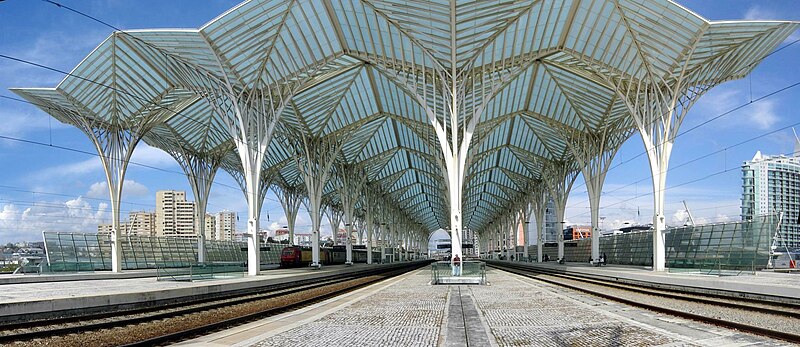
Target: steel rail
{"points": [[531, 273], [181, 309]]}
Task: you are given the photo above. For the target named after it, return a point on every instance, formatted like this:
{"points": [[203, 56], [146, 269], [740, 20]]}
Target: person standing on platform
{"points": [[456, 265]]}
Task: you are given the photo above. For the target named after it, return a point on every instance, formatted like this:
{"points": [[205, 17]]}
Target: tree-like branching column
{"points": [[334, 214], [314, 157], [114, 137], [559, 176], [251, 118], [350, 182], [594, 152], [115, 147], [291, 197], [538, 203], [200, 169], [525, 213]]}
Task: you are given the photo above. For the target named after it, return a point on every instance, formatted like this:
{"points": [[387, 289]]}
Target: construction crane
{"points": [[691, 220]]}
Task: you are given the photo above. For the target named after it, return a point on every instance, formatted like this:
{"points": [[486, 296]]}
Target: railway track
{"points": [[761, 317], [165, 324]]}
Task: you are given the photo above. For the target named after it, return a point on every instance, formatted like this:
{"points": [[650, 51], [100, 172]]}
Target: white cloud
{"points": [[8, 213], [151, 156], [19, 124], [679, 217], [80, 168], [763, 114], [759, 13], [130, 188], [56, 49], [724, 98], [75, 215]]}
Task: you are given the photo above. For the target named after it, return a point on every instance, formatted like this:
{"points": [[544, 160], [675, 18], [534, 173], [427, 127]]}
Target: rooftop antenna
{"points": [[796, 144]]}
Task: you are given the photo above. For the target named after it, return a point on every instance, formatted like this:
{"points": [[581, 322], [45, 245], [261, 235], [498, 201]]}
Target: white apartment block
{"points": [[140, 223], [771, 185], [211, 227], [226, 226], [175, 216]]}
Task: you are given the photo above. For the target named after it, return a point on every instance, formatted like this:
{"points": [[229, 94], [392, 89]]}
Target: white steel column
{"points": [[250, 117], [115, 149], [594, 151], [335, 219], [538, 206], [559, 177], [369, 199], [527, 212], [384, 231], [291, 198], [314, 158], [508, 233]]}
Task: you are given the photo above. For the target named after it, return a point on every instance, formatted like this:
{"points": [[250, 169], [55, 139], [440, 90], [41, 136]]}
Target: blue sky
{"points": [[46, 188]]}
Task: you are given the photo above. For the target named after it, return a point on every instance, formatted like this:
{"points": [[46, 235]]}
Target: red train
{"points": [[294, 256]]}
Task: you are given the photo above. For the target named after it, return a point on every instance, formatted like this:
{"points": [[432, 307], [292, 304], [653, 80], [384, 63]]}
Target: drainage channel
{"points": [[464, 327]]}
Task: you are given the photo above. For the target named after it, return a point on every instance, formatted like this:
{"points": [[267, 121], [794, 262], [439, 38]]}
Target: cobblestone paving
{"points": [[537, 317], [408, 313]]}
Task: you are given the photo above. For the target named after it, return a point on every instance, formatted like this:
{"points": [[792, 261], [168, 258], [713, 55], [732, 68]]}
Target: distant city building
{"points": [[211, 227], [576, 232], [109, 228], [468, 238], [281, 235], [771, 185], [341, 237], [302, 239], [551, 226], [141, 223], [226, 226], [175, 216]]}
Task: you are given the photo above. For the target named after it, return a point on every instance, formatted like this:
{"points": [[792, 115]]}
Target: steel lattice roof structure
{"points": [[436, 103]]}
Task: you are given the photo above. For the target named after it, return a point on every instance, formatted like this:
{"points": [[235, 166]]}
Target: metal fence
{"points": [[89, 252], [722, 246]]}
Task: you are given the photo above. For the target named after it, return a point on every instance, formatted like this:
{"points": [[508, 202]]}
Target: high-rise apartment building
{"points": [[139, 223], [771, 185], [175, 216], [210, 227], [226, 226], [551, 225]]}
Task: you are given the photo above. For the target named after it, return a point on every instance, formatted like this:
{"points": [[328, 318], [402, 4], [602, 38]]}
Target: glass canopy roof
{"points": [[369, 75]]}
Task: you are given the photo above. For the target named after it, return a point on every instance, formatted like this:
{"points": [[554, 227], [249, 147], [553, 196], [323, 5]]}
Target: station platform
{"points": [[511, 311], [57, 295], [768, 285]]}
